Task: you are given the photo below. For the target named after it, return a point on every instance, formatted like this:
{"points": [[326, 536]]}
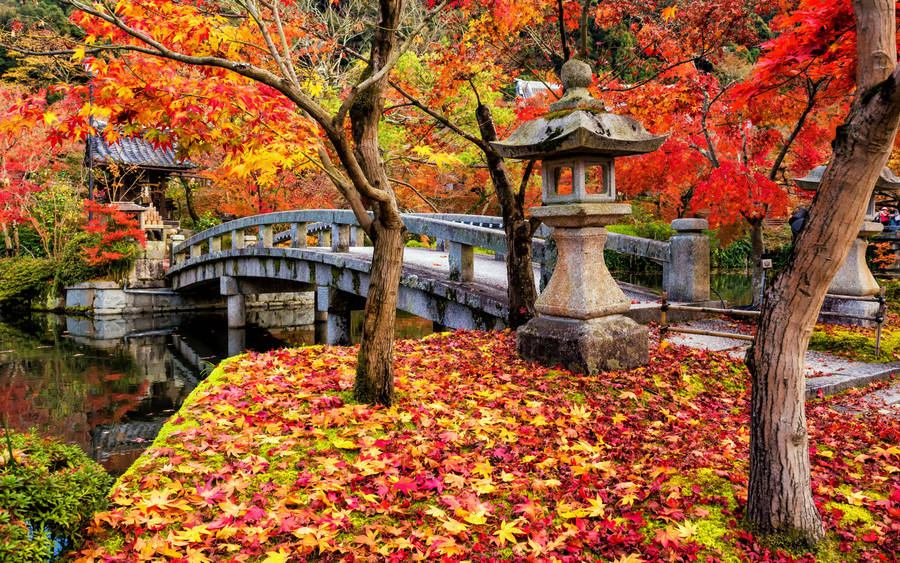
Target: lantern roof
{"points": [[578, 125], [887, 184]]}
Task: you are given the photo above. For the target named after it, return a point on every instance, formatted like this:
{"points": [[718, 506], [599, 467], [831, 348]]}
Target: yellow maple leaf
{"points": [[454, 526], [669, 13], [476, 517], [78, 54], [279, 556], [598, 507], [507, 532], [686, 529]]}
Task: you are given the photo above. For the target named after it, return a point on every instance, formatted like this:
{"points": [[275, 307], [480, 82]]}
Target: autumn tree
{"points": [[279, 46], [780, 496], [457, 95]]}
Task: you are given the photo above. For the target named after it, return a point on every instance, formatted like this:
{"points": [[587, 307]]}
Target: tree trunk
{"points": [[758, 247], [189, 200], [375, 367], [780, 496], [521, 292], [374, 372]]}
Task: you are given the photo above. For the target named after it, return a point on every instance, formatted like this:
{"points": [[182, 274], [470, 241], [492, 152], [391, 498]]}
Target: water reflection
{"points": [[732, 288], [108, 385]]}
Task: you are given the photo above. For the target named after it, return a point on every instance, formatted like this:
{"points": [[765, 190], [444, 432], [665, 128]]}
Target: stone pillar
{"points": [[237, 307], [856, 280], [325, 237], [357, 236], [237, 239], [298, 235], [265, 236], [340, 238], [337, 321], [237, 311], [174, 241], [196, 250], [580, 324], [237, 341], [215, 244], [686, 273], [462, 262]]}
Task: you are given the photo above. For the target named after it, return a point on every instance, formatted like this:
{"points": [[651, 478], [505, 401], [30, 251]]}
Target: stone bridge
{"points": [[461, 284]]}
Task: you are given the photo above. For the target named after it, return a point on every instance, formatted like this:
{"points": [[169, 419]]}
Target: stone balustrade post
{"points": [[196, 250], [462, 262], [357, 236], [686, 272], [340, 237], [215, 244], [265, 236], [237, 239], [298, 235], [174, 241], [324, 237]]}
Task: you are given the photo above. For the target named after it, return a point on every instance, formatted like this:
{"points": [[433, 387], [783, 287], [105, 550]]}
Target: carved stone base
{"points": [[591, 346]]}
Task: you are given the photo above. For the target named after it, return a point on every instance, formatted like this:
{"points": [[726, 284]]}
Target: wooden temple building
{"points": [[133, 174]]}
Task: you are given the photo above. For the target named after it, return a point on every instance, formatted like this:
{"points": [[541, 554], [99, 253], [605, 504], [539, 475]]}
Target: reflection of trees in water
{"points": [[67, 390]]}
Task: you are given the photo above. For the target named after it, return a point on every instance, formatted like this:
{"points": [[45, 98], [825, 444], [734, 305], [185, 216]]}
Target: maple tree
{"points": [[32, 172], [270, 56], [780, 498], [493, 459]]}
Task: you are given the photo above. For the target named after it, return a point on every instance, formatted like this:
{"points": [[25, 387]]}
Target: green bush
{"points": [[71, 266], [23, 279], [52, 487]]}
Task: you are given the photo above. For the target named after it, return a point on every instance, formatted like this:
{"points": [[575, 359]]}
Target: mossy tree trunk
{"points": [[780, 495]]}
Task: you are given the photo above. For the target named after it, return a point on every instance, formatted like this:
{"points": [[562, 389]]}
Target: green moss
{"points": [[852, 514], [576, 397], [114, 542], [856, 345]]}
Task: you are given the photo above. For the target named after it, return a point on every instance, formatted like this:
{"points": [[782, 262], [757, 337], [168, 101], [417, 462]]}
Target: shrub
{"points": [[23, 279], [119, 236], [71, 265], [53, 488]]}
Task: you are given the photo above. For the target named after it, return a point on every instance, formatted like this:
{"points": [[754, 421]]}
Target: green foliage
{"points": [[71, 266], [891, 293], [53, 487], [23, 279], [735, 256]]}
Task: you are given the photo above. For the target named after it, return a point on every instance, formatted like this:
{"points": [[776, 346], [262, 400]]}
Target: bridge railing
{"points": [[684, 258]]}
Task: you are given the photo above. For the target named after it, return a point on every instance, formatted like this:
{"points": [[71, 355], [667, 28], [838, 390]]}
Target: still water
{"points": [[109, 386]]}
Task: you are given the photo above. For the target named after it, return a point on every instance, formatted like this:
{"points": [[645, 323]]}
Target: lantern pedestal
{"points": [[855, 279], [580, 325]]}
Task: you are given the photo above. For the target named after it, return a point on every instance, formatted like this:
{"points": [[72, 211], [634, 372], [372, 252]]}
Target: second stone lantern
{"points": [[854, 279], [580, 323]]}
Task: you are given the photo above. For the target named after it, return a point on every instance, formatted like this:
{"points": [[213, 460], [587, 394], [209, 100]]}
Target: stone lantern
{"points": [[854, 278], [580, 323]]}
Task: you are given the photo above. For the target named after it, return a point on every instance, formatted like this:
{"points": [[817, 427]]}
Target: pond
{"points": [[109, 386], [731, 288]]}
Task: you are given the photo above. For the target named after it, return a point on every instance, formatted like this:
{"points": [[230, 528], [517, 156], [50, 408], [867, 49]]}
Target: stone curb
{"points": [[833, 384]]}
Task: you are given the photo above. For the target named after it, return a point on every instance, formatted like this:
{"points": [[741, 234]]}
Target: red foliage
{"points": [[117, 233]]}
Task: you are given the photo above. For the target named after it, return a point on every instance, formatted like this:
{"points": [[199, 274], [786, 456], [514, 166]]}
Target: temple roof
{"points": [[136, 151]]}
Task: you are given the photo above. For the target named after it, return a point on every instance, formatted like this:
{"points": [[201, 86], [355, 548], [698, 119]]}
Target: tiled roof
{"points": [[136, 151]]}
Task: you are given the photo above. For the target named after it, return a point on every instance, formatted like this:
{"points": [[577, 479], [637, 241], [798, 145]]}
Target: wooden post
{"points": [[662, 318]]}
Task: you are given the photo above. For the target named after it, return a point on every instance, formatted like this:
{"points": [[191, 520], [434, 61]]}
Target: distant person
{"points": [[797, 220], [895, 218], [885, 217]]}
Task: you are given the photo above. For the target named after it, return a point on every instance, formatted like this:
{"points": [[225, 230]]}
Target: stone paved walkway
{"points": [[826, 372]]}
